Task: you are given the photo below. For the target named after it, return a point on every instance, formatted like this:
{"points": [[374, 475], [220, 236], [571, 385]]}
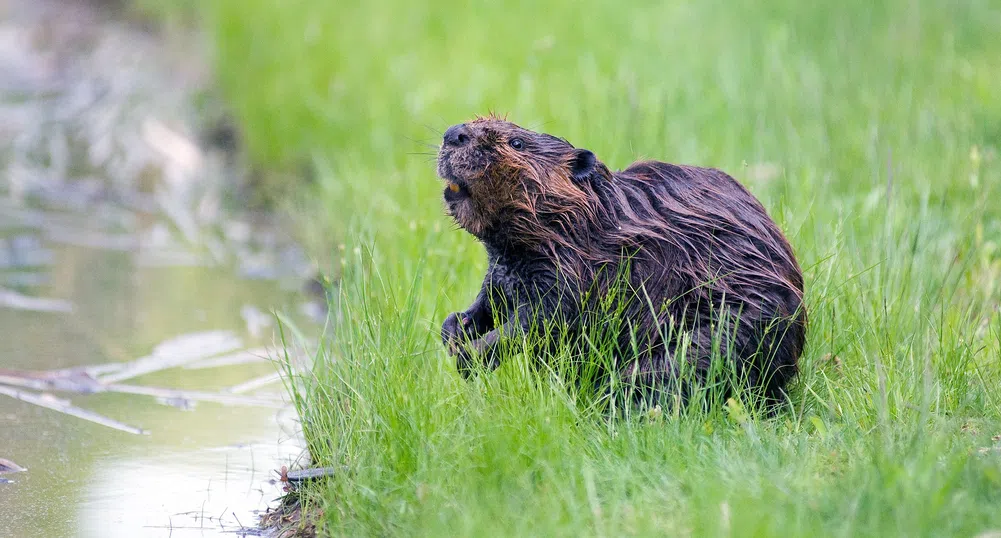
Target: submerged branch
{"points": [[71, 380], [49, 401], [18, 301], [177, 352], [247, 356], [257, 383], [194, 395]]}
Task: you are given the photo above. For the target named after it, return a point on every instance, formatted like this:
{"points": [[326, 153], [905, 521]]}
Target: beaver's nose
{"points": [[457, 135]]}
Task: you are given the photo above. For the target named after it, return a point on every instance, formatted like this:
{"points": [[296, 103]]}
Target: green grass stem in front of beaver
{"points": [[869, 130]]}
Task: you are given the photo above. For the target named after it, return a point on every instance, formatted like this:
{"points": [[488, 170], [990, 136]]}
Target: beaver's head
{"points": [[521, 186]]}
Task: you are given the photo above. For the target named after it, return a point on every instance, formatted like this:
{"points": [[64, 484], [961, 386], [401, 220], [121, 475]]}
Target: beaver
{"points": [[712, 277]]}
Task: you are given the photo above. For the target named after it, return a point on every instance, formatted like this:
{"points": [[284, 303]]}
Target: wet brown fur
{"points": [[556, 222]]}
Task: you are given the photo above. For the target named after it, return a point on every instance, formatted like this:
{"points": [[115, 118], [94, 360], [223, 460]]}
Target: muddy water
{"points": [[118, 244]]}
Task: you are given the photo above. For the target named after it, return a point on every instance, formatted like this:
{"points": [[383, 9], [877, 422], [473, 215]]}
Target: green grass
{"points": [[883, 122]]}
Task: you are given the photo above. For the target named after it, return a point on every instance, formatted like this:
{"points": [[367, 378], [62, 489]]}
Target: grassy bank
{"points": [[870, 131]]}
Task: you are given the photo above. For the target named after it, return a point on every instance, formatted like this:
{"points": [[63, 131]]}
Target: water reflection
{"points": [[178, 497], [84, 479]]}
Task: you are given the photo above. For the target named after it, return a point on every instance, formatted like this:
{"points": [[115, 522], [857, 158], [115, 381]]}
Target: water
{"points": [[115, 245], [197, 472]]}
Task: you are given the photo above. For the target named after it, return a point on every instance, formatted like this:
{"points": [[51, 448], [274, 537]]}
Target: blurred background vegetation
{"points": [[834, 97]]}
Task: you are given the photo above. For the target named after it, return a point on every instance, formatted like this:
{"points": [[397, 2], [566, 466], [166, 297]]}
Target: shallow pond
{"points": [[135, 311], [199, 471]]}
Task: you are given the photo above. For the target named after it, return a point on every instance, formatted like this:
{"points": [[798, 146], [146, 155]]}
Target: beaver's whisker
{"points": [[423, 142], [432, 129]]}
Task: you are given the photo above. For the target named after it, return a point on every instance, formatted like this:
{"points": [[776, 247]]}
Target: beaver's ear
{"points": [[583, 164]]}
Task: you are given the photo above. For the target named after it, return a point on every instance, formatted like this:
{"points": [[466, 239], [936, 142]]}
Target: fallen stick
{"points": [[24, 382], [17, 301], [7, 466], [194, 395], [247, 356], [94, 370], [61, 381], [81, 383], [255, 383], [176, 352], [49, 401]]}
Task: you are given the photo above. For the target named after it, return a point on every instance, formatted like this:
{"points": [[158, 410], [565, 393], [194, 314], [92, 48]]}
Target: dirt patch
{"points": [[290, 519]]}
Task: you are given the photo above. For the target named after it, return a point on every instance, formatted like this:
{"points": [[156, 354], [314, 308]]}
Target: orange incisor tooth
{"points": [[453, 187]]}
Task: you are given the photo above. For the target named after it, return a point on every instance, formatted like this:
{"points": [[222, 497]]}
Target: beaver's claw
{"points": [[455, 331]]}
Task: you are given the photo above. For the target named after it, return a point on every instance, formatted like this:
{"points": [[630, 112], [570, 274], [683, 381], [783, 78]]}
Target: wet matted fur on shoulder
{"points": [[712, 278]]}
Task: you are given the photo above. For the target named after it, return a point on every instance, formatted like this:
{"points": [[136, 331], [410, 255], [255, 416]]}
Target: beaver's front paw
{"points": [[474, 355], [455, 331]]}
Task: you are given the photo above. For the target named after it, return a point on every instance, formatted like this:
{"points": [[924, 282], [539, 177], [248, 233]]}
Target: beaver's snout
{"points": [[460, 159], [457, 136]]}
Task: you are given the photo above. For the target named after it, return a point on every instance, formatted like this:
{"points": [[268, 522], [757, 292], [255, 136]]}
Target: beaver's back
{"points": [[705, 244]]}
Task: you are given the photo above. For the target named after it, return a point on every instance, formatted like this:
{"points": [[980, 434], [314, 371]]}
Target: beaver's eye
{"points": [[516, 143]]}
